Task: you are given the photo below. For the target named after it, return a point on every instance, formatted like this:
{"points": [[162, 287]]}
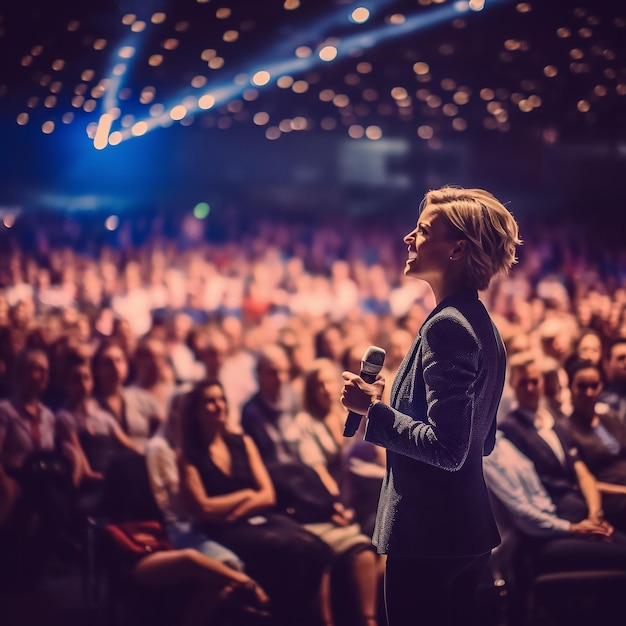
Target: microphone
{"points": [[371, 364]]}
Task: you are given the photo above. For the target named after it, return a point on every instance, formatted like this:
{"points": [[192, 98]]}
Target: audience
{"points": [[143, 323], [320, 424], [136, 410], [288, 441], [600, 436], [614, 394], [575, 541], [35, 473], [588, 346], [94, 436], [544, 440], [231, 497], [206, 586], [153, 371], [162, 460]]}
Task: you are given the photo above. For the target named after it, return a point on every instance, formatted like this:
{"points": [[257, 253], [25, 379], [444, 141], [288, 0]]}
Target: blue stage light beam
{"points": [[231, 88], [120, 66]]}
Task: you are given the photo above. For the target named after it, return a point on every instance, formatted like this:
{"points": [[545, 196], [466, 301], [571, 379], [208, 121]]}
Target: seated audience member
{"points": [[35, 475], [124, 335], [152, 370], [329, 343], [269, 419], [135, 409], [236, 366], [400, 341], [211, 353], [60, 353], [186, 368], [298, 345], [535, 433], [27, 425], [268, 416], [94, 436], [614, 394], [568, 540], [365, 462], [555, 390], [345, 291], [162, 453], [132, 302], [600, 437], [142, 555], [320, 425], [231, 498], [588, 346], [516, 341], [556, 334], [321, 445]]}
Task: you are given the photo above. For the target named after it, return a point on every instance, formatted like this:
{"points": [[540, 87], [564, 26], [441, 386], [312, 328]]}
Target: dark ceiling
{"points": [[524, 86]]}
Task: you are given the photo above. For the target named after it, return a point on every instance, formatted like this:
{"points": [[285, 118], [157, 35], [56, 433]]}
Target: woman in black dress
{"points": [[600, 437], [231, 497]]}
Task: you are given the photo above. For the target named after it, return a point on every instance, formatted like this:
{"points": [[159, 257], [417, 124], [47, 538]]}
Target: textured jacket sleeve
{"points": [[439, 434]]}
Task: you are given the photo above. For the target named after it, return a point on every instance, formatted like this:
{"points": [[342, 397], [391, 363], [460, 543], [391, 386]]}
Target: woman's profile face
{"points": [[213, 405], [430, 244]]}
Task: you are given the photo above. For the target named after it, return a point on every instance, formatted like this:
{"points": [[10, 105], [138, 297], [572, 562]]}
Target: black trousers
{"points": [[432, 592]]}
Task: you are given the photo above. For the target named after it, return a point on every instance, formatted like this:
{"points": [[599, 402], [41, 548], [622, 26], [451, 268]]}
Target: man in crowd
{"points": [[614, 394]]}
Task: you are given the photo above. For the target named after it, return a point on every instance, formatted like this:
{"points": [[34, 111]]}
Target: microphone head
{"points": [[373, 360]]}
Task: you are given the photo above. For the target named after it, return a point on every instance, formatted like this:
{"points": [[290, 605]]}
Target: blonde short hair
{"points": [[489, 228]]}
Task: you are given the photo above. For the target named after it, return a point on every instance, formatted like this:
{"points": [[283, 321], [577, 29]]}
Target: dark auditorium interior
{"points": [[186, 182]]}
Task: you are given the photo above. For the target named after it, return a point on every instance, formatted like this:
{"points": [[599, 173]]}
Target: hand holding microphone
{"points": [[354, 397]]}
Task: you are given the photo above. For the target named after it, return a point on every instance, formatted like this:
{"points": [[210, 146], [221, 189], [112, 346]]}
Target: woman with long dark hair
{"points": [[231, 498]]}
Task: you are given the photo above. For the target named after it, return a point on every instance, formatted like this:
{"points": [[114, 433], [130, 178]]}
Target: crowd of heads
{"points": [[162, 310], [286, 305]]}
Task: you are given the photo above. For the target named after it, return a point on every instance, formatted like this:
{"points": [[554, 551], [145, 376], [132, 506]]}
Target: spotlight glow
{"points": [[261, 78], [112, 222], [288, 58], [140, 128], [178, 112], [360, 15], [102, 132], [328, 53], [206, 102]]}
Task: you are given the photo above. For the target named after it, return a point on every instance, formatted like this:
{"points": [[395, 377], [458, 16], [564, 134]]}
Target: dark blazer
{"points": [[441, 421]]}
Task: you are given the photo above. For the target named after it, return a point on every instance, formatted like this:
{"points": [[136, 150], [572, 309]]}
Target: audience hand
{"points": [[592, 528], [342, 515]]}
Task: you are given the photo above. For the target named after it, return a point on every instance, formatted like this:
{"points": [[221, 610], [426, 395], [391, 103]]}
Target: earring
{"points": [[451, 259]]}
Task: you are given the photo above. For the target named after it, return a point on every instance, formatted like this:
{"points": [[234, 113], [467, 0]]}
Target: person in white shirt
{"points": [[135, 409], [546, 442], [545, 535]]}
